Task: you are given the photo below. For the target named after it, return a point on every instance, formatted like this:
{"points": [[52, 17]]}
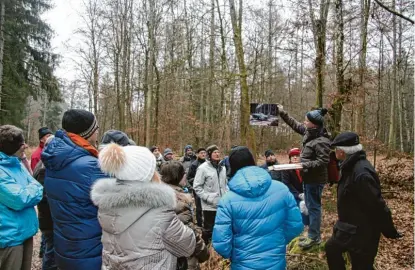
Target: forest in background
{"points": [[176, 72]]}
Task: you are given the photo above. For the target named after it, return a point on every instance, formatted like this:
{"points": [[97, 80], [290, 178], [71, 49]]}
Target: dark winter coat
{"points": [[315, 153], [290, 179], [362, 213], [44, 215], [275, 175], [70, 173], [187, 161], [192, 170]]}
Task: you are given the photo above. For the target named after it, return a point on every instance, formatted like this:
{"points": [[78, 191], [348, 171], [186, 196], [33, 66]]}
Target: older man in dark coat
{"points": [[362, 213]]}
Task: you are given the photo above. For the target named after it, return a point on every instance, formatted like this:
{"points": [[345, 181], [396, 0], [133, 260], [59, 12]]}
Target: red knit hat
{"points": [[294, 152]]}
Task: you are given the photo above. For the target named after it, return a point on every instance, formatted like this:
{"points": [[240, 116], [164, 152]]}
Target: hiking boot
{"points": [[309, 243]]}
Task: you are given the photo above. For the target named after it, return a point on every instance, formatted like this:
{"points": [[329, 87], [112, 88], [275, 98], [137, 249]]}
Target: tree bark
{"points": [[361, 95], [392, 131], [244, 106], [2, 14]]}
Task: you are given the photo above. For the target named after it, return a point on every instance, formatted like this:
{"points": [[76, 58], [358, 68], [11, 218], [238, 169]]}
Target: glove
{"points": [[303, 208], [301, 196], [280, 107]]}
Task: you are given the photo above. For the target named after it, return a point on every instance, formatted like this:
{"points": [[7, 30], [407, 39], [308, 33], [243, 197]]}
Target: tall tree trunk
{"points": [[210, 94], [392, 123], [319, 33], [361, 95], [2, 14], [244, 106], [150, 83], [337, 107]]}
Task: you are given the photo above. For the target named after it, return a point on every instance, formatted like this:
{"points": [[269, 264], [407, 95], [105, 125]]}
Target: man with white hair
{"points": [[362, 213]]}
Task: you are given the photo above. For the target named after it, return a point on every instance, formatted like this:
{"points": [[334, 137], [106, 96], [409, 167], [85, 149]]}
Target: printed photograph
{"points": [[263, 114]]}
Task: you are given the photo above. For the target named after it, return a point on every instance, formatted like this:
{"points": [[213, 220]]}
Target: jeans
{"points": [[48, 261], [312, 193]]}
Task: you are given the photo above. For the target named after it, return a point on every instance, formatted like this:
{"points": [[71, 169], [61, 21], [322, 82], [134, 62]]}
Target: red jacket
{"points": [[36, 156]]}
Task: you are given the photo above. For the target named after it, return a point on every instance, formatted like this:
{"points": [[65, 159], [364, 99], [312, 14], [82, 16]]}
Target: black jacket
{"points": [[192, 170], [315, 153], [290, 179], [44, 215], [275, 175], [362, 213]]}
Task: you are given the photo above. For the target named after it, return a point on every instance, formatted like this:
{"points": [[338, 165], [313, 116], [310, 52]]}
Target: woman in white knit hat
{"points": [[140, 229]]}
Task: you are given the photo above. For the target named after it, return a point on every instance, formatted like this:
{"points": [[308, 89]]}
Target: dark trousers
{"points": [[17, 257], [208, 223], [199, 212], [335, 260], [48, 262]]}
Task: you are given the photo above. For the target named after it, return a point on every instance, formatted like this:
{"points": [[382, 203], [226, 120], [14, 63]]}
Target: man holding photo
{"points": [[314, 160]]}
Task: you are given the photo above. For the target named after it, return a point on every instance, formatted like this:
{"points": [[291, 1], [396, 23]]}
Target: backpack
{"points": [[333, 169]]}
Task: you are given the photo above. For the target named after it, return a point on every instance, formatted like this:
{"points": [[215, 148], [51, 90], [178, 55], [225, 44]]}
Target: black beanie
{"points": [[239, 158], [80, 122], [11, 139], [115, 136], [153, 148], [43, 131], [211, 149], [268, 153]]}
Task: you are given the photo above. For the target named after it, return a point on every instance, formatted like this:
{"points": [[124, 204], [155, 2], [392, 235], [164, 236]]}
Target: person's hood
{"points": [[8, 161], [61, 151], [122, 204], [251, 182]]}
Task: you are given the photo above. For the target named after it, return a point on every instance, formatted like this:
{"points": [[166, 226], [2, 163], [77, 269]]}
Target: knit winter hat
{"points": [[43, 131], [200, 150], [294, 152], [11, 139], [153, 148], [167, 151], [268, 153], [211, 149], [128, 163], [317, 116], [239, 158], [117, 137], [187, 147], [80, 122]]}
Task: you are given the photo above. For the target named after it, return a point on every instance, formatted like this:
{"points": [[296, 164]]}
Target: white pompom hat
{"points": [[130, 163]]}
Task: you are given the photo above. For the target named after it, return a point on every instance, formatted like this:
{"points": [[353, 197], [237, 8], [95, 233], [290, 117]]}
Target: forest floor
{"points": [[397, 178]]}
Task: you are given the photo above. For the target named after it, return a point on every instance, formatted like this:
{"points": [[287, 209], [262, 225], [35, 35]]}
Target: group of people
{"points": [[116, 205]]}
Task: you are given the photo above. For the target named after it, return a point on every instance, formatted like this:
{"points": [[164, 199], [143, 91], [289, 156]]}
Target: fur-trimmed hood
{"points": [[108, 194], [122, 204]]}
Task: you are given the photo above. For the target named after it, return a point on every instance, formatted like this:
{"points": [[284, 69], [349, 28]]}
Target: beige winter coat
{"points": [[210, 185], [140, 229]]}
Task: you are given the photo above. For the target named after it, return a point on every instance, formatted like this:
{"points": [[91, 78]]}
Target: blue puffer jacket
{"points": [[19, 193], [70, 173], [255, 221]]}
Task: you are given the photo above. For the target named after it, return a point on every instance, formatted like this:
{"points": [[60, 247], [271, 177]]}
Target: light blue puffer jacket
{"points": [[19, 193], [255, 221]]}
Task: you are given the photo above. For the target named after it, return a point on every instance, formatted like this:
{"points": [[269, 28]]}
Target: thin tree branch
{"points": [[394, 12]]}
